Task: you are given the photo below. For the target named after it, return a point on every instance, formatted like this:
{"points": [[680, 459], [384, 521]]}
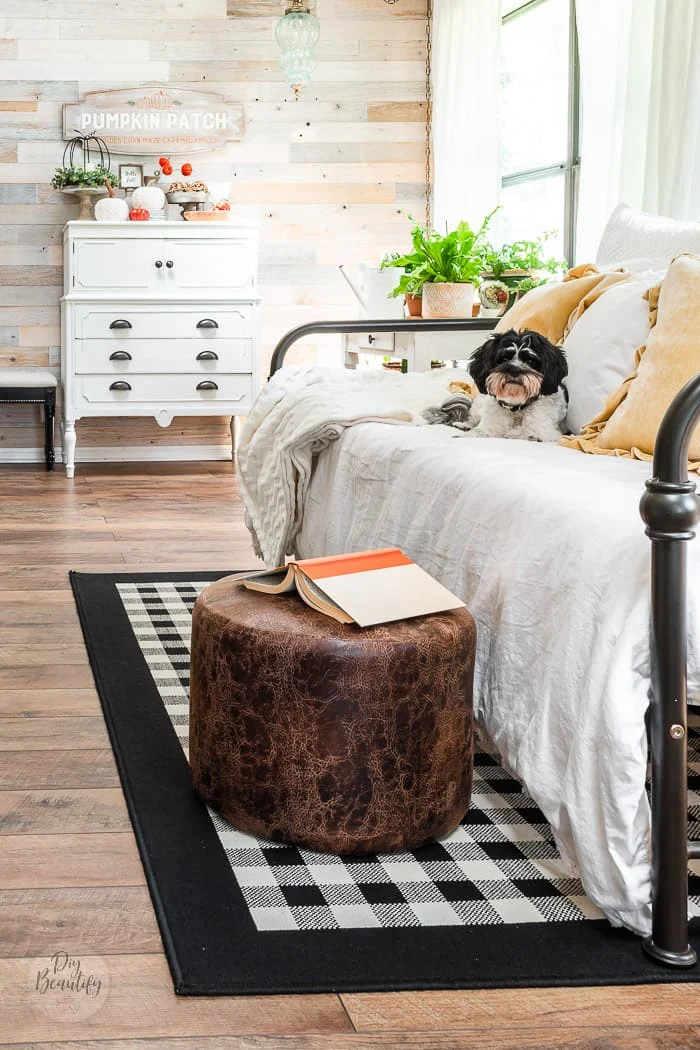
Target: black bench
{"points": [[25, 386]]}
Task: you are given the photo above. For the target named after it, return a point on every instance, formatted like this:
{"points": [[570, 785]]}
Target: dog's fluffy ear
{"points": [[482, 360], [553, 358]]}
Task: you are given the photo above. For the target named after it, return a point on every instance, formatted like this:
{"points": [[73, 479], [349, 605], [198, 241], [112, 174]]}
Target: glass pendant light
{"points": [[297, 34]]}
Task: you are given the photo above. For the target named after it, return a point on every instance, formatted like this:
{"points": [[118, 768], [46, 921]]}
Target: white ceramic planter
{"points": [[448, 300]]}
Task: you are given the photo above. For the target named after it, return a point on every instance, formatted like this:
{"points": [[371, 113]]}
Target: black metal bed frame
{"points": [[670, 508]]}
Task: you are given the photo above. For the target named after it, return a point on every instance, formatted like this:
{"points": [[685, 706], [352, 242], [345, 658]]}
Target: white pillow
{"points": [[600, 349], [639, 241]]}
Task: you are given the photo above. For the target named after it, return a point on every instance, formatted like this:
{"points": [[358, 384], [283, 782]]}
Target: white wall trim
{"points": [[123, 454]]}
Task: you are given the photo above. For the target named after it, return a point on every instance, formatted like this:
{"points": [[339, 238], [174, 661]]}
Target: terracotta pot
{"points": [[414, 304], [448, 300]]}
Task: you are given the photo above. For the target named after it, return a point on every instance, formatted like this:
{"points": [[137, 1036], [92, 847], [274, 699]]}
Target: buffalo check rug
{"points": [[490, 906]]}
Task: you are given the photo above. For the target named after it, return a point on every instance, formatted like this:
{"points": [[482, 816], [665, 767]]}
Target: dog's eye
{"points": [[530, 358]]}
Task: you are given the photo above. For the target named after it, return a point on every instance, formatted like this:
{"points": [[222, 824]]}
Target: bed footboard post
{"points": [[671, 509]]}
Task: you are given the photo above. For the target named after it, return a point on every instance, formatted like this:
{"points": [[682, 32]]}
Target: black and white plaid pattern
{"points": [[500, 866]]}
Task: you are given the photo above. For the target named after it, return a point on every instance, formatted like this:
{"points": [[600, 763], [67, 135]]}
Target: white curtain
{"points": [[640, 135], [466, 126]]}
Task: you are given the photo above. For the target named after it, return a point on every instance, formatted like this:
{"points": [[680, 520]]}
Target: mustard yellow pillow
{"points": [[629, 423], [549, 309]]}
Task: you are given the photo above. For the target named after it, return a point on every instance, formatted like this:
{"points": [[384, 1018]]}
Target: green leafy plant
{"points": [[94, 178], [527, 256], [456, 257]]}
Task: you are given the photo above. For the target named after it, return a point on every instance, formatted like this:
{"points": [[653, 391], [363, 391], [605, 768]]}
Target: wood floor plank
{"points": [[24, 654], [12, 536], [68, 770], [77, 676], [67, 812], [666, 1037], [555, 1008], [47, 703], [86, 732], [52, 861], [49, 577], [35, 597], [53, 634], [140, 1000], [39, 615], [103, 920], [72, 554]]}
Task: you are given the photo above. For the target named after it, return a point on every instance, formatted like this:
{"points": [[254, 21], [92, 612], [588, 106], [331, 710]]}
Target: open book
{"points": [[365, 588]]}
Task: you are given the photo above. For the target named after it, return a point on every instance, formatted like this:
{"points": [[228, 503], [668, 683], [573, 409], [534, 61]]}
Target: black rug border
{"points": [[210, 940]]}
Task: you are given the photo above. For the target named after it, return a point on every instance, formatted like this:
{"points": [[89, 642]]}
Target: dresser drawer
{"points": [[124, 321], [164, 266], [162, 355], [164, 389]]}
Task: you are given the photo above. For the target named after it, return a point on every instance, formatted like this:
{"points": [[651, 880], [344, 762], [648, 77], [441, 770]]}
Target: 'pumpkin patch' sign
{"points": [[155, 120]]}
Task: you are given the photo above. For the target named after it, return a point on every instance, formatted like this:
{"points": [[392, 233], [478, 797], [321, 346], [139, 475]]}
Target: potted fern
{"points": [[444, 269]]}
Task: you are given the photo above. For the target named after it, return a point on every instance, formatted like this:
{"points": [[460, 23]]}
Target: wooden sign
{"points": [[155, 120]]}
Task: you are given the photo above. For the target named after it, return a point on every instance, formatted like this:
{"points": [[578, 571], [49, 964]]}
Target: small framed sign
{"points": [[130, 176]]}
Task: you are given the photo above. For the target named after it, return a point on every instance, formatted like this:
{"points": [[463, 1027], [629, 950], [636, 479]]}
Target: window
{"points": [[540, 122]]}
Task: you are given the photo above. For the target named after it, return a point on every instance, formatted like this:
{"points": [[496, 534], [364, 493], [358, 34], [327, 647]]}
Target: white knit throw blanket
{"points": [[296, 415]]}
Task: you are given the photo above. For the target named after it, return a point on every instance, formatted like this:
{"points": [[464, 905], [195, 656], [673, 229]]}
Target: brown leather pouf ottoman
{"points": [[328, 736]]}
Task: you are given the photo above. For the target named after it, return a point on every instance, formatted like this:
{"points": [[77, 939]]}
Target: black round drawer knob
{"points": [[170, 264], [207, 355], [207, 385], [120, 323], [120, 355], [120, 385], [159, 264]]}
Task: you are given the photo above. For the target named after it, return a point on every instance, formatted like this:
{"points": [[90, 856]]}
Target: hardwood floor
{"points": [[70, 875]]}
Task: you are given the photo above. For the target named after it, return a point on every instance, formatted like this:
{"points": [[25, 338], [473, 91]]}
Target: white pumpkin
{"points": [[111, 209], [151, 198]]}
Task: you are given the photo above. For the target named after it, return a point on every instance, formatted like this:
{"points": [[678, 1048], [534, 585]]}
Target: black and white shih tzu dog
{"points": [[519, 376]]}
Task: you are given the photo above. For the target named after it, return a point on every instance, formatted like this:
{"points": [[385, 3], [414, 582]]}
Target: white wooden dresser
{"points": [[158, 319]]}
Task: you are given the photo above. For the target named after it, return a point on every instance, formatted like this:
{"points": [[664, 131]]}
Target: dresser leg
{"points": [[69, 440]]}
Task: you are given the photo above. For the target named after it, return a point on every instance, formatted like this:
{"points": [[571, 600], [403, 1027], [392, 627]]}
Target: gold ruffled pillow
{"points": [[553, 309], [629, 423]]}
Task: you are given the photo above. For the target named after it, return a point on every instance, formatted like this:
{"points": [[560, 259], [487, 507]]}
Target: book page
{"points": [[381, 595], [274, 581], [316, 599]]}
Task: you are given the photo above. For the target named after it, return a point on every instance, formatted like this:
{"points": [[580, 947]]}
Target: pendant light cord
{"points": [[429, 114]]}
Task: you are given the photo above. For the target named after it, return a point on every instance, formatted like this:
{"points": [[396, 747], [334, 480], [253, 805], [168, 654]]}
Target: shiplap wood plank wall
{"points": [[331, 178]]}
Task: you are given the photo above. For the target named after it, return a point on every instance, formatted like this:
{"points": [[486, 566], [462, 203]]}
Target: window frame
{"points": [[570, 167]]}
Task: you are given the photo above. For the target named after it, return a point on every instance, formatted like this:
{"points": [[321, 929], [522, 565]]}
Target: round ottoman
{"points": [[329, 736]]}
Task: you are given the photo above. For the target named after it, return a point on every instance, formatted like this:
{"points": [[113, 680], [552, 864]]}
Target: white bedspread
{"points": [[296, 415], [547, 548]]}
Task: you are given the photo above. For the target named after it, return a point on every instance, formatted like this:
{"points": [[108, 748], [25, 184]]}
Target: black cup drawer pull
{"points": [[120, 323], [207, 385], [120, 355], [207, 355], [120, 385], [207, 322]]}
